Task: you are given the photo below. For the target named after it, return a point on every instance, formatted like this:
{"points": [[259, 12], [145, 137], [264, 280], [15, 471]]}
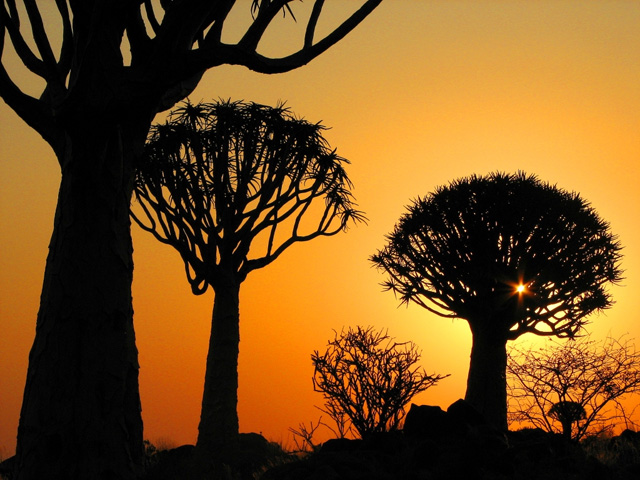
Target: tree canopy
{"points": [[219, 176], [505, 247]]}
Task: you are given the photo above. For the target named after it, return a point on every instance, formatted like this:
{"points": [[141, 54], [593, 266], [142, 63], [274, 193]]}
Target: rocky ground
{"points": [[433, 445], [457, 444]]}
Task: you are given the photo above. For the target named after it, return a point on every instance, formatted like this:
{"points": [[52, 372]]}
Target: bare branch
{"points": [[33, 112], [67, 47], [313, 21], [586, 376], [266, 12], [40, 37], [28, 58], [151, 16], [368, 378], [244, 53]]}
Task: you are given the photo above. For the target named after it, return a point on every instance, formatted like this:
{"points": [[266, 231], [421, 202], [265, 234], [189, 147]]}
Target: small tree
{"points": [[510, 255], [573, 384], [567, 413], [231, 186], [369, 378]]}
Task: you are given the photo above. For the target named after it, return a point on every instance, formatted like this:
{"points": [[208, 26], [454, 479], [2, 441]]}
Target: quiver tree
{"points": [[231, 186], [567, 413], [579, 384], [367, 379], [106, 67], [510, 255]]}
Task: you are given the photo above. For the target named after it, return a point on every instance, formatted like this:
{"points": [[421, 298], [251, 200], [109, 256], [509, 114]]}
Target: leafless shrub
{"points": [[367, 379], [589, 375], [303, 437]]}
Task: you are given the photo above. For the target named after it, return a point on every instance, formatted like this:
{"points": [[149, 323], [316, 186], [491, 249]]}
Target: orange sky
{"points": [[421, 93]]}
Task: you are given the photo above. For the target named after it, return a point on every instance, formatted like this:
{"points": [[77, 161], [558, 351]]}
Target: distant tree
{"points": [[369, 378], [105, 68], [574, 384], [231, 186], [510, 255], [567, 413]]}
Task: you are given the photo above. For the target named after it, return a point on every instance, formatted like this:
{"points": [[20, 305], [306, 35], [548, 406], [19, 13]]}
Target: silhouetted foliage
{"points": [[510, 255], [567, 413], [579, 384], [105, 68], [218, 175], [231, 186], [369, 378]]}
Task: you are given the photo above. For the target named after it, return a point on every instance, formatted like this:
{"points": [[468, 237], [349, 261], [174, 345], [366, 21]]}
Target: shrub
{"points": [[367, 379]]}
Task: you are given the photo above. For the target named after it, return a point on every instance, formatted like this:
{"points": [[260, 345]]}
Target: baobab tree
{"points": [[107, 67], [509, 254], [231, 186]]}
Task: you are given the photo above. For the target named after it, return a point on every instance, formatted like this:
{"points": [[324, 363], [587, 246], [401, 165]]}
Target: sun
{"points": [[520, 288]]}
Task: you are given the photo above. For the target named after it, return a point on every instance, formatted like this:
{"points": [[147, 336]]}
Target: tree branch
{"points": [[244, 52], [41, 39], [32, 111], [28, 58], [266, 13], [313, 21]]}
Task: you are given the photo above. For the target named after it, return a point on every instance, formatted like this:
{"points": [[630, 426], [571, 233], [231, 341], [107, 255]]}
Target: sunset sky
{"points": [[421, 93]]}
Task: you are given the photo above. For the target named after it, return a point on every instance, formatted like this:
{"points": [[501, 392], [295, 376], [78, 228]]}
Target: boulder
{"points": [[340, 445], [462, 415], [426, 421]]}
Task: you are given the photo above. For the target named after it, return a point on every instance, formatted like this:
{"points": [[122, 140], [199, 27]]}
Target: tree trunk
{"points": [[486, 383], [81, 415], [566, 428], [218, 429]]}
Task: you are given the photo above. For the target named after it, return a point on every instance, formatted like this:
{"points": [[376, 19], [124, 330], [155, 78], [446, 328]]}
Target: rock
{"points": [[426, 421], [340, 445], [171, 464], [456, 444], [385, 442], [254, 454], [463, 415], [630, 436]]}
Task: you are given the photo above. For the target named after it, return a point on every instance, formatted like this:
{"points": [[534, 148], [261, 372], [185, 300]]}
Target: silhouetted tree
{"points": [[574, 381], [117, 64], [567, 413], [231, 186], [369, 378], [510, 255]]}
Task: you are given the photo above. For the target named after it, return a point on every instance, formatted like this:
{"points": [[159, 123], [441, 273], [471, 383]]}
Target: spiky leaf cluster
{"points": [[216, 177]]}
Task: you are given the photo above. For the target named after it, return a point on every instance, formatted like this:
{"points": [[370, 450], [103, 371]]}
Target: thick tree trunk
{"points": [[81, 415], [486, 383], [218, 429]]}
